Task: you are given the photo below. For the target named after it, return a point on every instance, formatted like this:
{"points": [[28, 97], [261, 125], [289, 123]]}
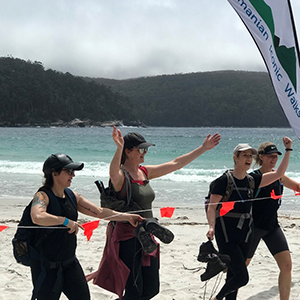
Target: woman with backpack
{"points": [[56, 269], [234, 230], [137, 269], [265, 217]]}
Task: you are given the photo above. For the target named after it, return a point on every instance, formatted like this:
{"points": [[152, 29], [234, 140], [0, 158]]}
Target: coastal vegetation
{"points": [[31, 95]]}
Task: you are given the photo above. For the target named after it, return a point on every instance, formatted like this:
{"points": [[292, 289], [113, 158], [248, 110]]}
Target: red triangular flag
{"points": [[89, 227], [275, 197], [297, 193], [226, 207], [167, 211], [2, 227]]}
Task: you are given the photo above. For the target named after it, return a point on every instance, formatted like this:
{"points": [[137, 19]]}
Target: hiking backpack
{"points": [[122, 203], [231, 186], [26, 241]]}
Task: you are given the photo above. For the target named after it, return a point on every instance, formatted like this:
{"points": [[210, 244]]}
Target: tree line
{"points": [[220, 98], [31, 95]]}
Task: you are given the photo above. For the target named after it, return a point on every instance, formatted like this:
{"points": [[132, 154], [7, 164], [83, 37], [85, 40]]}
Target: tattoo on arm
{"points": [[39, 200], [88, 209]]}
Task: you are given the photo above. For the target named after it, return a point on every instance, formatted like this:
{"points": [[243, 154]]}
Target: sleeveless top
{"points": [[59, 244], [141, 193], [265, 210]]}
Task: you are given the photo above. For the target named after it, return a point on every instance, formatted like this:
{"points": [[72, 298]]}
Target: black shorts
{"points": [[275, 241]]}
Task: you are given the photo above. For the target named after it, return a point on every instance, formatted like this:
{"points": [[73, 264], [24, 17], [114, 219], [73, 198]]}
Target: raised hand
{"points": [[211, 141], [287, 142], [117, 137]]}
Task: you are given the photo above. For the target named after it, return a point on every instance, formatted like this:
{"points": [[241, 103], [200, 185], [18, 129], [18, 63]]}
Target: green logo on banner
{"points": [[286, 56]]}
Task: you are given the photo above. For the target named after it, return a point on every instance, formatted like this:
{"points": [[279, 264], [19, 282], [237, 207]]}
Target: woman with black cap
{"points": [[265, 217], [57, 269], [233, 230], [138, 268]]}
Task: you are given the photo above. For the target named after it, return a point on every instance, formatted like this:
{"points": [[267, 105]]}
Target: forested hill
{"points": [[222, 98], [31, 95]]}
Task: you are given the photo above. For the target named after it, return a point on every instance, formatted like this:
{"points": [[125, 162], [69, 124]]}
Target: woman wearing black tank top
{"points": [[59, 271], [265, 217]]}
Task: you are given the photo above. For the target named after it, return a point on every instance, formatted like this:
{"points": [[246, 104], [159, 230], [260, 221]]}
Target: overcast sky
{"points": [[129, 38]]}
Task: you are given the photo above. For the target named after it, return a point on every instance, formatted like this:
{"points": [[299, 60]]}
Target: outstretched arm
{"points": [[290, 183], [88, 208], [269, 177], [115, 173], [40, 216], [155, 171]]}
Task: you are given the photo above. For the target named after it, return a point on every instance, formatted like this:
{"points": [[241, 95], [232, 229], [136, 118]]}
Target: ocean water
{"points": [[23, 151]]}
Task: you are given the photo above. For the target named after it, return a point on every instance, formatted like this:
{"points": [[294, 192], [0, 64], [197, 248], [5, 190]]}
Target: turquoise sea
{"points": [[23, 151]]}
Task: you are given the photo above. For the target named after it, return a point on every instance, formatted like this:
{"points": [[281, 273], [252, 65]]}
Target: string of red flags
{"points": [[89, 227], [165, 212], [229, 205]]}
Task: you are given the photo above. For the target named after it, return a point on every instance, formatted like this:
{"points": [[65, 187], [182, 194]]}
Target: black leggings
{"points": [[237, 273], [74, 284], [143, 281]]}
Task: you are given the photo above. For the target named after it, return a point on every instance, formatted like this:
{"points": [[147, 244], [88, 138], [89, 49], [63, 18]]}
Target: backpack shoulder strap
{"points": [[251, 181], [125, 192], [229, 187], [144, 170]]}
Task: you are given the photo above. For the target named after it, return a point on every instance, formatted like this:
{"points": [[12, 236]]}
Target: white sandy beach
{"points": [[178, 280]]}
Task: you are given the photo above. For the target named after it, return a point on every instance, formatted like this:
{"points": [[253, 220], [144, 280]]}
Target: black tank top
{"points": [[265, 211], [59, 244]]}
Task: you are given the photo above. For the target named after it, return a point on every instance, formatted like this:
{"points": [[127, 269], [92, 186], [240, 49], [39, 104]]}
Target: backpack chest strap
{"points": [[241, 217]]}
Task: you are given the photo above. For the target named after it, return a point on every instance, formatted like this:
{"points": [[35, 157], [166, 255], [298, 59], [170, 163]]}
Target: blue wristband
{"points": [[66, 222]]}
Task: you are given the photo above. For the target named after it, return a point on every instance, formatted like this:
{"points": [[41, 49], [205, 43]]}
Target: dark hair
{"points": [[124, 155], [48, 179]]}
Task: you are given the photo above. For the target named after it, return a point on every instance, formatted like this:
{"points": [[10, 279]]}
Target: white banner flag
{"points": [[270, 22]]}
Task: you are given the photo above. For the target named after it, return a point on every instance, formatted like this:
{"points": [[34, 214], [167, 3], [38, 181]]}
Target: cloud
{"points": [[128, 38]]}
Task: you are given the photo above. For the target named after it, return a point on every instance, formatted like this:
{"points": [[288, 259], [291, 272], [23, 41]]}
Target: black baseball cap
{"points": [[134, 139], [270, 149], [59, 161]]}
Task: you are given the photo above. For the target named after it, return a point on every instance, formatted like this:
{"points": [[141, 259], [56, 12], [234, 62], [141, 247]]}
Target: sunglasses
{"points": [[142, 150], [69, 171]]}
